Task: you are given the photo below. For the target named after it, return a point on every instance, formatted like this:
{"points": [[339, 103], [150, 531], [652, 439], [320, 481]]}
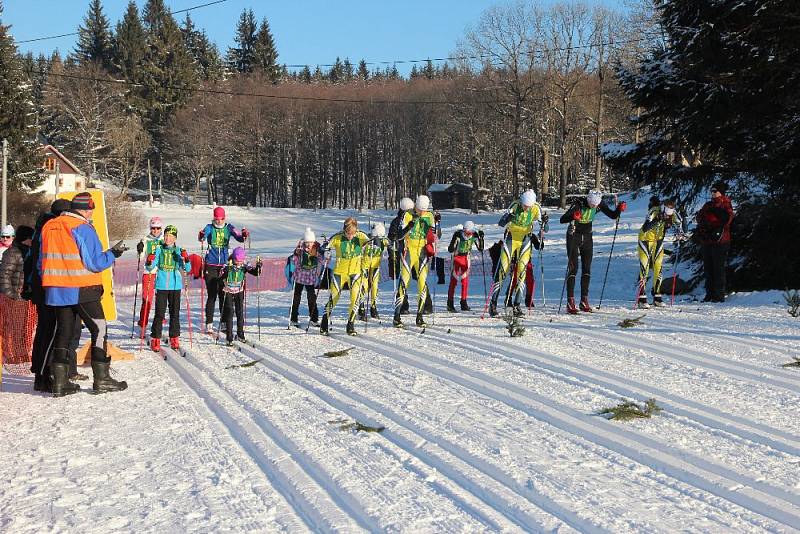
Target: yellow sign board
{"points": [[100, 224]]}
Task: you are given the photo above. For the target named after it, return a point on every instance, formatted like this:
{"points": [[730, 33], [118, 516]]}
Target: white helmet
{"points": [[378, 230], [309, 236], [7, 231], [469, 226], [423, 203], [528, 198], [406, 204], [593, 198]]}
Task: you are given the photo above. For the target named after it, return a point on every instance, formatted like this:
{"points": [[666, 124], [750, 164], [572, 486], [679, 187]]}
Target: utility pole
{"points": [[149, 183], [58, 178], [4, 215]]}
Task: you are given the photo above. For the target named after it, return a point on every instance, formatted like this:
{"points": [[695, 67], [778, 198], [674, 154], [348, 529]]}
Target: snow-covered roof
{"points": [[438, 188], [71, 167]]}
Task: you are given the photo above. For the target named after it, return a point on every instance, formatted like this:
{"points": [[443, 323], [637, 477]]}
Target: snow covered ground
{"points": [[483, 432]]}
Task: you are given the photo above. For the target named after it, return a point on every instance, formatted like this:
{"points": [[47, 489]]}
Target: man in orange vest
{"points": [[70, 262]]}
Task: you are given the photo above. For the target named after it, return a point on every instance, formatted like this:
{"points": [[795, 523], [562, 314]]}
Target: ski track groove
{"points": [[285, 478], [642, 449], [505, 509]]}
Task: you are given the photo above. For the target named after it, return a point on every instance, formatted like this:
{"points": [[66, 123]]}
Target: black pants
{"points": [[164, 298], [394, 264], [43, 339], [579, 244], [233, 301], [438, 264], [92, 315], [214, 286], [715, 257], [311, 296]]}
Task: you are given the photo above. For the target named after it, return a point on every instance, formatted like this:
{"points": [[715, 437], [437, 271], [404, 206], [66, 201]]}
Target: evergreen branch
{"points": [[337, 353], [627, 410], [630, 323], [355, 426], [795, 363], [243, 365]]}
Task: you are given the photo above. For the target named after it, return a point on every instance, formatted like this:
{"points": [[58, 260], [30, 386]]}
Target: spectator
{"points": [[6, 238], [12, 278], [714, 232]]}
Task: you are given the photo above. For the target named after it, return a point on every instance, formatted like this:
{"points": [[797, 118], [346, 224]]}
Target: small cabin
{"points": [[453, 195], [61, 173]]}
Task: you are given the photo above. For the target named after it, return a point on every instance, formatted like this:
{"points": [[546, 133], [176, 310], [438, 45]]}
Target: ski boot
{"points": [[155, 344], [229, 342], [642, 303], [493, 309], [209, 329], [323, 327], [373, 312], [450, 307], [658, 302], [397, 321], [428, 308], [585, 306], [362, 314], [571, 308], [464, 305], [421, 321], [314, 321], [517, 311], [351, 329], [404, 308], [241, 339], [294, 324], [60, 384], [103, 382], [174, 343]]}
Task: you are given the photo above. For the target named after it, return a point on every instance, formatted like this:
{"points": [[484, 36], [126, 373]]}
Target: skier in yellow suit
{"points": [[519, 236], [348, 272], [373, 252], [419, 248], [651, 247]]}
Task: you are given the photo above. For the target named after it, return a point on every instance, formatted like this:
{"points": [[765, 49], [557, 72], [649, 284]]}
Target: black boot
{"points": [[465, 306], [323, 327], [362, 314], [351, 329], [43, 383], [493, 309], [397, 322], [60, 383], [404, 307], [103, 383], [373, 312], [450, 307], [428, 308], [421, 321]]}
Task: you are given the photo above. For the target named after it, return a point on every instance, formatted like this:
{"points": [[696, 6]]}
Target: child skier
{"points": [[371, 263], [579, 242], [233, 291], [348, 272], [417, 231], [218, 235], [651, 247], [519, 237], [460, 246], [168, 260], [305, 277], [147, 246]]}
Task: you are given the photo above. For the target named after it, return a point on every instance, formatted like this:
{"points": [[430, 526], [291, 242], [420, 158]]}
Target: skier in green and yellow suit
{"points": [[348, 244], [420, 246], [651, 247], [371, 263], [519, 237]]}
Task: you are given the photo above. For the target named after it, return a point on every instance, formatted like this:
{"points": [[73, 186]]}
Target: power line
{"points": [[46, 38]]}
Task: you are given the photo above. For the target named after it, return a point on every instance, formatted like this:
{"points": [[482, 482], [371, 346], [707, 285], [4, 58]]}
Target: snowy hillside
{"points": [[483, 432]]}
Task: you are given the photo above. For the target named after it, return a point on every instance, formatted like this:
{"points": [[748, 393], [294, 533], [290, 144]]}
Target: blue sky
{"points": [[307, 31]]}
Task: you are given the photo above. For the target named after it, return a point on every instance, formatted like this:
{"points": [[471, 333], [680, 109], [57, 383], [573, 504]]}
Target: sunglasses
{"points": [[155, 228], [6, 237]]}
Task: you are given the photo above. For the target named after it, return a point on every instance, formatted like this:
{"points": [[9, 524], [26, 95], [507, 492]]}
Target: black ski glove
{"points": [[140, 248], [118, 249]]}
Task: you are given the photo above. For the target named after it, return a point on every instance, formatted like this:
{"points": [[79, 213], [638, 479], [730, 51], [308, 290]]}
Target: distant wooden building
{"points": [[455, 195], [62, 174]]}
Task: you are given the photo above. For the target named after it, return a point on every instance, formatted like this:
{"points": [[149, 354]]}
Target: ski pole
{"points": [[563, 287], [223, 316], [136, 293], [147, 307], [483, 268], [608, 265], [675, 273], [186, 286], [541, 263], [291, 306], [258, 294], [319, 287]]}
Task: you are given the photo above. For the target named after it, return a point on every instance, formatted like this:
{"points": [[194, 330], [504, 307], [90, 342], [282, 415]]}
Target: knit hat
{"points": [[423, 203], [528, 198], [406, 204], [155, 222], [308, 235], [24, 233], [594, 198], [654, 201], [171, 229], [82, 201], [7, 231], [469, 226], [720, 186], [239, 254], [219, 212], [378, 230], [59, 205]]}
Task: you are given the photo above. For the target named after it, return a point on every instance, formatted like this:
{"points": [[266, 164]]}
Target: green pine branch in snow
{"points": [[792, 299], [627, 410], [630, 323], [355, 426], [337, 353], [795, 363], [514, 325], [243, 365]]}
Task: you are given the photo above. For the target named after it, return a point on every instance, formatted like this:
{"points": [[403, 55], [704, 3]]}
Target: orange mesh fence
{"points": [[17, 328]]}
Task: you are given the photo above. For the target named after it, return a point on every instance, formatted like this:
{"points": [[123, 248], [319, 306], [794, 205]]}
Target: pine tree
{"points": [[414, 72], [336, 74], [242, 58], [129, 43], [17, 117], [363, 71], [265, 53], [428, 71], [347, 70], [305, 75], [208, 65], [95, 41]]}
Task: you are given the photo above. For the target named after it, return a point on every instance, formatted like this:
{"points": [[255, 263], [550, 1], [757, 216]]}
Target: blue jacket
{"points": [[168, 264], [94, 258], [218, 240]]}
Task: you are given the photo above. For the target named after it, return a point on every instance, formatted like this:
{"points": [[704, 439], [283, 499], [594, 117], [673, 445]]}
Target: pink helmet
{"points": [[219, 212], [155, 222], [239, 254]]}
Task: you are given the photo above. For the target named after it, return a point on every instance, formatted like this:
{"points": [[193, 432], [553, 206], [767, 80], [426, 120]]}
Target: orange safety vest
{"points": [[61, 260]]}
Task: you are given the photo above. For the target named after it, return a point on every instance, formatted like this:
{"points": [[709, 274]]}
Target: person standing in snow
{"points": [[145, 248], [167, 261], [12, 272], [6, 238], [234, 289], [714, 232], [348, 272], [218, 236], [371, 263], [420, 246], [519, 237], [305, 277], [460, 247], [651, 247], [580, 243], [397, 245]]}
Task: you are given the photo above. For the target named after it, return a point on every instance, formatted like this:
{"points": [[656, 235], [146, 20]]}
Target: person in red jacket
{"points": [[714, 232]]}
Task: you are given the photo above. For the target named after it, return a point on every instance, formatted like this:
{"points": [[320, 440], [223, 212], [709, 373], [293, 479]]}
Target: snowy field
{"points": [[483, 432]]}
